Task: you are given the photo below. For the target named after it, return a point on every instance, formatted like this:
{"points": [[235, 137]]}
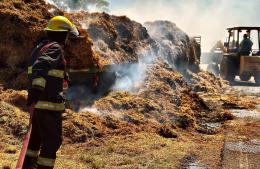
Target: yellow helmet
{"points": [[61, 24]]}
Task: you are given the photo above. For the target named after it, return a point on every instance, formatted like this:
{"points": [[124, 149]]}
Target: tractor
{"points": [[234, 62]]}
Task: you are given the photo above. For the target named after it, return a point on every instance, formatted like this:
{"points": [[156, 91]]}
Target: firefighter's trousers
{"points": [[45, 140]]}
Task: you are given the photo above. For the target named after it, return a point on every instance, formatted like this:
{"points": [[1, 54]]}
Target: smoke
{"points": [[173, 43], [208, 18], [88, 5], [131, 76], [92, 110]]}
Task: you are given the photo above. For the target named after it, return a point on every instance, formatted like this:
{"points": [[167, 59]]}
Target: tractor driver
{"points": [[245, 46]]}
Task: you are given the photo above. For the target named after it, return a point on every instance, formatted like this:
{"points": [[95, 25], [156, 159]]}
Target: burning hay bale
{"points": [[162, 95], [177, 48], [165, 98], [117, 39]]}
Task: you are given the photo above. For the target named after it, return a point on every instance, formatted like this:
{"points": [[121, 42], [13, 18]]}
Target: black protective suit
{"points": [[46, 74]]}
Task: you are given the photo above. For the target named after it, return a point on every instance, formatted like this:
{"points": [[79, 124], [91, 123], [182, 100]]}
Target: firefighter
{"points": [[47, 74]]}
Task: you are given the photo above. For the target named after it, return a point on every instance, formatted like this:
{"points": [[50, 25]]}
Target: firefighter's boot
{"points": [[43, 167], [45, 163], [30, 162]]}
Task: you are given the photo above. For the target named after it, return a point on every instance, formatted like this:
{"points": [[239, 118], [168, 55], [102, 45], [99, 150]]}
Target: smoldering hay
{"points": [[116, 39], [175, 46], [107, 40], [119, 40], [162, 97]]}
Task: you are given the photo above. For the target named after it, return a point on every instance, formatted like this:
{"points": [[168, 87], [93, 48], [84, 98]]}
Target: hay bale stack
{"points": [[117, 39], [176, 46], [22, 24]]}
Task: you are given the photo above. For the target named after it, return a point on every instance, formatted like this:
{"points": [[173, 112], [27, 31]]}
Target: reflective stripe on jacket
{"points": [[50, 106], [46, 74]]}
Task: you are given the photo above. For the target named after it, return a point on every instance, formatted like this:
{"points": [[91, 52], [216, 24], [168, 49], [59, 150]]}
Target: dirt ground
{"points": [[242, 138]]}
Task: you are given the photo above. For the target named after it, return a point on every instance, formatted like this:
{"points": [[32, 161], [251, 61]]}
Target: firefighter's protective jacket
{"points": [[46, 74]]}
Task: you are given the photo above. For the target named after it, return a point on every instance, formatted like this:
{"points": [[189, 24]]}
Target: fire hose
{"points": [[20, 162]]}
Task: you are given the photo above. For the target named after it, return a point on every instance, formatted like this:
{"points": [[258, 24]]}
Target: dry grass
{"points": [[145, 150]]}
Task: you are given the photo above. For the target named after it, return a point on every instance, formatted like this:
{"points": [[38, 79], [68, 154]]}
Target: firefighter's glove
{"points": [[33, 96]]}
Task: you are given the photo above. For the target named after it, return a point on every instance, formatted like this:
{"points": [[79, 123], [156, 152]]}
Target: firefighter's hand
{"points": [[33, 96], [30, 102]]}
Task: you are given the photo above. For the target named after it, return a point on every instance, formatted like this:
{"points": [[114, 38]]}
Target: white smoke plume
{"points": [[173, 43], [88, 5], [129, 78], [208, 18]]}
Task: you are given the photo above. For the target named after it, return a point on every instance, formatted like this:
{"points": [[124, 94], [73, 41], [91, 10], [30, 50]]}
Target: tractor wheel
{"points": [[257, 79], [245, 77], [227, 70], [213, 68]]}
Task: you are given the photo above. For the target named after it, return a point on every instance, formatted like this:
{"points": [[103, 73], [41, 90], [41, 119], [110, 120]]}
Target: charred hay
{"points": [[166, 105]]}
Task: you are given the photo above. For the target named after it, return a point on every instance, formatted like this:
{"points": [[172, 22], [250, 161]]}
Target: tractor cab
{"points": [[236, 36], [242, 56]]}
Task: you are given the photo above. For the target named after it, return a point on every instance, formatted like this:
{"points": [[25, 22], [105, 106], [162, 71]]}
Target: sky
{"points": [[208, 18]]}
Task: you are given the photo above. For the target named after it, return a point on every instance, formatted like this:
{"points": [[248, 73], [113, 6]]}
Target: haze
{"points": [[208, 18]]}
